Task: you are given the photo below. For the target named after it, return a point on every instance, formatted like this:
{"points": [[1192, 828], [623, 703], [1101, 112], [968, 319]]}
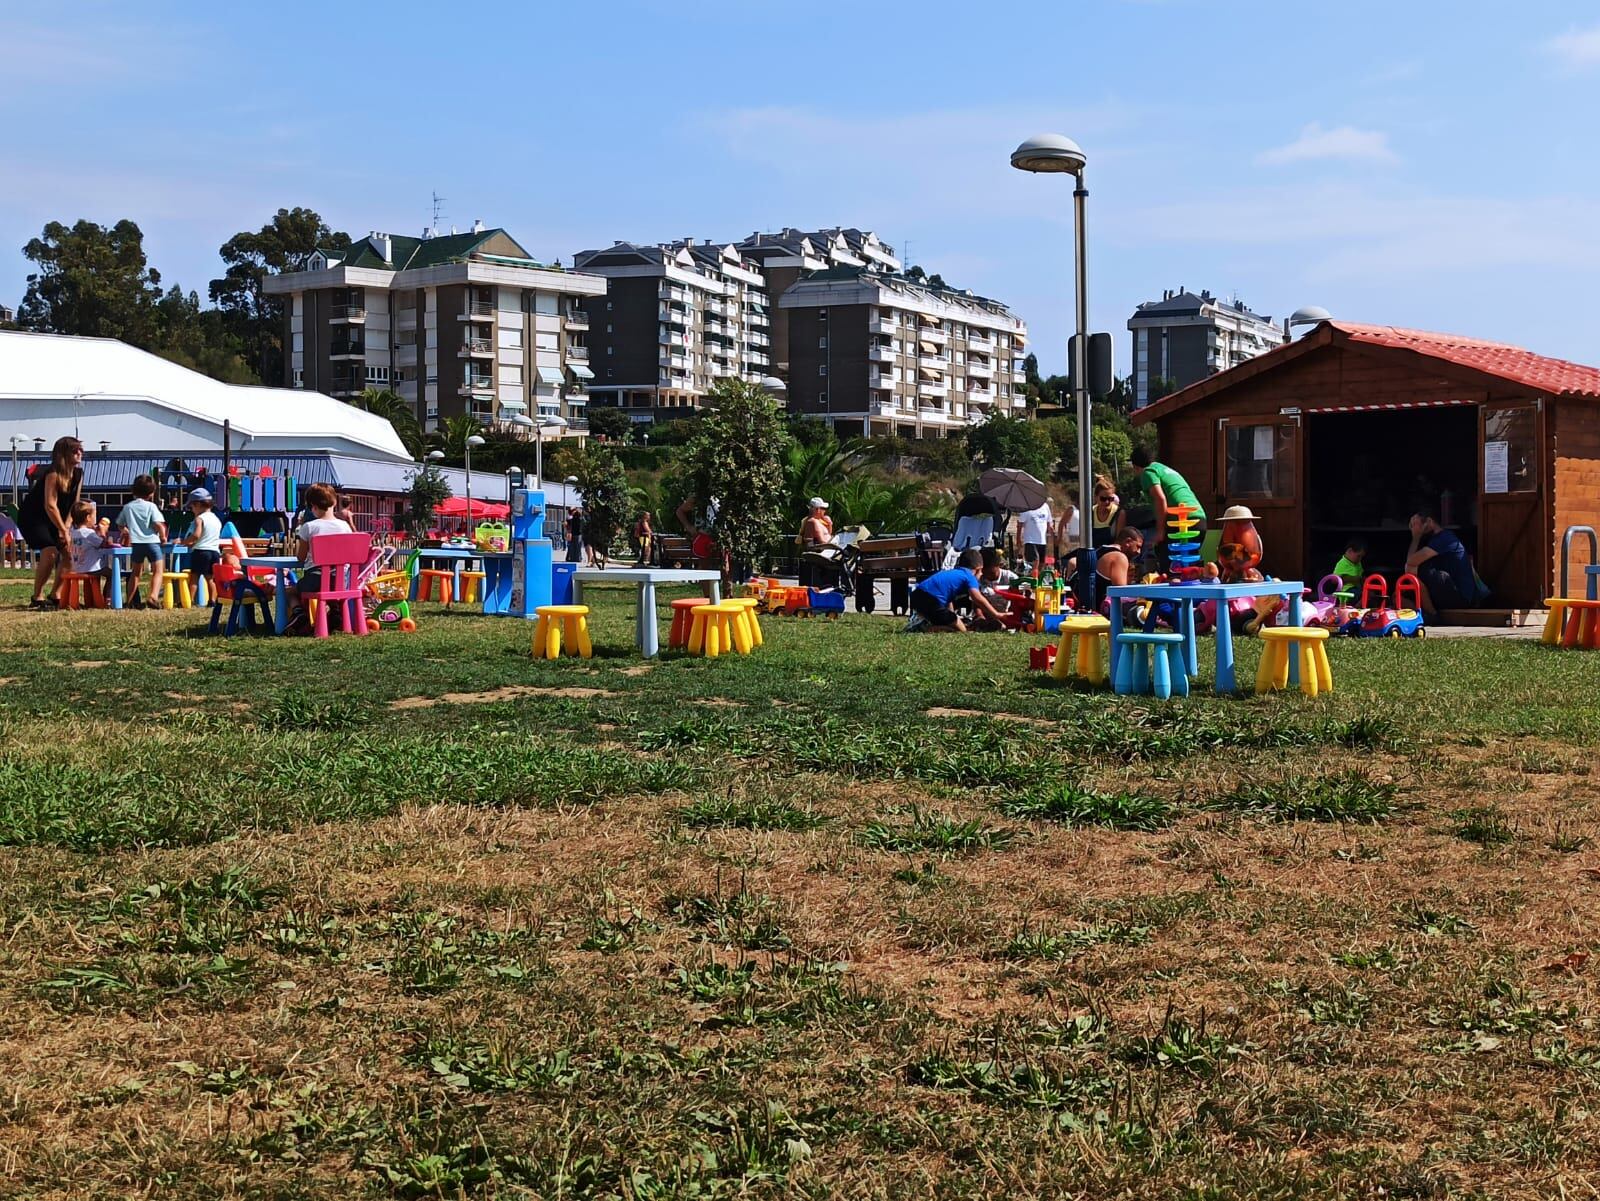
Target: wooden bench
{"points": [[673, 550], [899, 559]]}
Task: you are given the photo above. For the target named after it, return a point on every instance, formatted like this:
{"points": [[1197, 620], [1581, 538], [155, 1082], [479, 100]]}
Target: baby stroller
{"points": [[827, 569]]}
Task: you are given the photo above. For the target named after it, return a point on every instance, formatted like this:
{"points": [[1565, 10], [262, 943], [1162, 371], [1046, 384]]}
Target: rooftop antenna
{"points": [[438, 203]]}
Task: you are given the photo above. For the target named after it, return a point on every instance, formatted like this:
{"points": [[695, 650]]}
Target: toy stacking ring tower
{"points": [[1183, 541]]}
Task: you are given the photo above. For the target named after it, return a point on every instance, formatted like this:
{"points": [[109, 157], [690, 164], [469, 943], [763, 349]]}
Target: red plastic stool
{"points": [[682, 622], [78, 590]]}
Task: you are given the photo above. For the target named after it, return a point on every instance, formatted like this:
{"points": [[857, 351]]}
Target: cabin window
{"points": [[1509, 450], [1260, 461]]}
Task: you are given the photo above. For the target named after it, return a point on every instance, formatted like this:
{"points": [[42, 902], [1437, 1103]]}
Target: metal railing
{"points": [[577, 319], [479, 308], [350, 310], [581, 353]]}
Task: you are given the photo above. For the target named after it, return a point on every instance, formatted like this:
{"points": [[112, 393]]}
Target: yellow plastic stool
{"points": [[719, 628], [1316, 675], [470, 583], [175, 591], [1093, 633], [1554, 619], [554, 620], [751, 606]]}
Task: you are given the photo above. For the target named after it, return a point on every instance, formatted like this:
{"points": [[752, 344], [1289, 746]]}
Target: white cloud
{"points": [[1577, 49], [1344, 142]]}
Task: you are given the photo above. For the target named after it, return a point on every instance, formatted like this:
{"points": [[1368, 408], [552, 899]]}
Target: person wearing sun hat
{"points": [[204, 539], [1240, 549]]}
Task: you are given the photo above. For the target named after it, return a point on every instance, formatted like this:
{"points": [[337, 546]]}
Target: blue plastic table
{"points": [[496, 582], [457, 557], [1185, 596], [281, 566], [1592, 575], [121, 559]]}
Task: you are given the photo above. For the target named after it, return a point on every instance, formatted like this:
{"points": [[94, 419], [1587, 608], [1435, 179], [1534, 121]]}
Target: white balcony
{"points": [[756, 357], [932, 416], [759, 340], [881, 408], [577, 319], [717, 307], [930, 362], [927, 388], [476, 348], [349, 312], [977, 370], [881, 381], [883, 354], [577, 354], [1019, 377], [719, 329], [757, 317], [680, 362], [405, 319], [681, 295], [932, 333], [477, 385], [980, 339], [882, 325], [477, 310]]}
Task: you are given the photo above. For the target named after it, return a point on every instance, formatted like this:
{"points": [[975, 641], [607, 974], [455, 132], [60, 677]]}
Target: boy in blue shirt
{"points": [[932, 599], [146, 528]]}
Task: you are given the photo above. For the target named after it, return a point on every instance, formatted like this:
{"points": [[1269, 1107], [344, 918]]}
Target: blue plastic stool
{"points": [[1150, 663]]}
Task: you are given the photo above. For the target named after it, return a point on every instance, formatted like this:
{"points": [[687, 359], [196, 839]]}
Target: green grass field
{"points": [[861, 915]]}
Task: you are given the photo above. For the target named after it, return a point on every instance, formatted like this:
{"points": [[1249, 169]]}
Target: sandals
{"points": [[43, 605]]}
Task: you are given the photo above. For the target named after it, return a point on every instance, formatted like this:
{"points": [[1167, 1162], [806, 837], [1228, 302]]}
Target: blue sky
{"points": [[1422, 164]]}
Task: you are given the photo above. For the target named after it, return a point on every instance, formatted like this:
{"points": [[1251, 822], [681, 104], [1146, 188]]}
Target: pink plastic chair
{"points": [[338, 560]]}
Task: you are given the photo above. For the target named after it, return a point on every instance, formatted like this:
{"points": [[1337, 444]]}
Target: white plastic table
{"points": [[1185, 595], [648, 637], [281, 566]]}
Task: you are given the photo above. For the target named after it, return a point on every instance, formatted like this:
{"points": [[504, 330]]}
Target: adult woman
{"points": [[1103, 520], [45, 512]]}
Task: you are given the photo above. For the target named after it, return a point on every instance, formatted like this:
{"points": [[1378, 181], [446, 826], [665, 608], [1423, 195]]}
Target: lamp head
{"points": [[435, 456], [474, 441], [1310, 315], [1049, 152]]}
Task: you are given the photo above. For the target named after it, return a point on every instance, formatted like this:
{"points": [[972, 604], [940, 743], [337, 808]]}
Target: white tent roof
{"points": [[102, 389]]}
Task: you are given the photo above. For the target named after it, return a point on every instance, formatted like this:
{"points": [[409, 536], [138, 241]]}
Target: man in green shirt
{"points": [[1166, 490]]}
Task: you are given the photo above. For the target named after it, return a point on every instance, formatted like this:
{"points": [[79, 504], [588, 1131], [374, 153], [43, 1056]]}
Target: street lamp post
{"points": [[473, 440], [1052, 153], [15, 482]]}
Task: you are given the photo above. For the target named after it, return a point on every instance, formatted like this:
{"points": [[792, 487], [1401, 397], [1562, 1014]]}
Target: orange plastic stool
{"points": [[428, 577], [682, 620], [78, 590], [1583, 624]]}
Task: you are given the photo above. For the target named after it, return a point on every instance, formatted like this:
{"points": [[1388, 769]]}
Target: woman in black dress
{"points": [[44, 516]]}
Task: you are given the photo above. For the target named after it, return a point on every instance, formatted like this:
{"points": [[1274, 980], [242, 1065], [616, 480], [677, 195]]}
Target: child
{"points": [[204, 540], [1348, 568], [90, 545], [320, 500], [147, 530]]}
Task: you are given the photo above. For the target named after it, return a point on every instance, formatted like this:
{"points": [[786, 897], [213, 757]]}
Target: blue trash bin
{"points": [[561, 583]]}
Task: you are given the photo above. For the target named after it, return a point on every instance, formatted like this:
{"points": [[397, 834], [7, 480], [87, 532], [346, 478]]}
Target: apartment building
{"points": [[876, 352], [1183, 338], [676, 318], [458, 323]]}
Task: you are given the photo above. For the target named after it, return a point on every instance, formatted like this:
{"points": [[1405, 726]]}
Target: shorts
{"points": [[930, 610], [144, 552], [1442, 590], [1033, 552], [202, 561]]}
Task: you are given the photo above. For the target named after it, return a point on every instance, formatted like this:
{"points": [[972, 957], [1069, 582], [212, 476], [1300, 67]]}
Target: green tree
{"points": [[398, 412], [1005, 441], [1162, 386], [608, 421], [428, 491], [736, 462], [195, 338], [453, 434], [819, 470], [91, 281], [256, 319], [607, 499], [886, 506]]}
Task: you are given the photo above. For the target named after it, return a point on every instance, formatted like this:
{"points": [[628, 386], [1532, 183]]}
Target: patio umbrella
{"points": [[456, 506], [1012, 488]]}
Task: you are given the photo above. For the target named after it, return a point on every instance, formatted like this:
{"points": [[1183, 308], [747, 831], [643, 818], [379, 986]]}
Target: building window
{"points": [[1509, 450], [822, 343], [822, 369], [1260, 461], [299, 379], [377, 375]]}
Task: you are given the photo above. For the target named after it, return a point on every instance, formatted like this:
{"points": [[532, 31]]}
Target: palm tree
{"points": [[397, 411], [452, 436], [820, 470]]}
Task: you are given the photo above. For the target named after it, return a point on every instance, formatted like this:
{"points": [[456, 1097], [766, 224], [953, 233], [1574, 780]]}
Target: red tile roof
{"points": [[1556, 377]]}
